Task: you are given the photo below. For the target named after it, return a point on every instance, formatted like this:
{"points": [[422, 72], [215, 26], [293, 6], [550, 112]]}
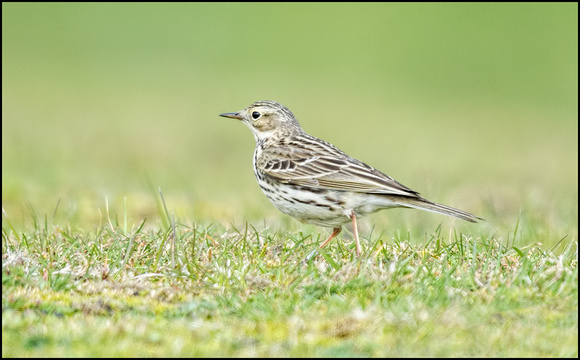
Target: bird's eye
{"points": [[256, 115]]}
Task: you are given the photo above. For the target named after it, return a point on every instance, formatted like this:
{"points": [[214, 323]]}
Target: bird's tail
{"points": [[424, 204]]}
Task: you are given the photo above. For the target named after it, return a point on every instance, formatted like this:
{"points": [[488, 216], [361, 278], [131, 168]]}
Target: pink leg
{"points": [[355, 230], [335, 232]]}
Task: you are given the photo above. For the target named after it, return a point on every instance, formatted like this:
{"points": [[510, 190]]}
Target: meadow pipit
{"points": [[315, 182]]}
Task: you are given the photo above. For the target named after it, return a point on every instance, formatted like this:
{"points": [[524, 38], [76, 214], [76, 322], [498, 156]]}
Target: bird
{"points": [[313, 181]]}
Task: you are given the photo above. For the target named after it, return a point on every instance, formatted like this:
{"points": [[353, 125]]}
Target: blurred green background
{"points": [[473, 105]]}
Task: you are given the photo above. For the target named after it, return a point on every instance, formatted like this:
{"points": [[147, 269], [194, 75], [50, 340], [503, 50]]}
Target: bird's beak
{"points": [[235, 115]]}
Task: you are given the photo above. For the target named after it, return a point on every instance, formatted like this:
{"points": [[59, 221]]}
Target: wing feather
{"points": [[326, 167]]}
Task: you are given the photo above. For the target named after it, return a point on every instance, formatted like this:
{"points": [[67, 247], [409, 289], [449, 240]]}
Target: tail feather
{"points": [[424, 204]]}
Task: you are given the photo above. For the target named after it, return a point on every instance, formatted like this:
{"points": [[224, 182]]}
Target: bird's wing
{"points": [[321, 165]]}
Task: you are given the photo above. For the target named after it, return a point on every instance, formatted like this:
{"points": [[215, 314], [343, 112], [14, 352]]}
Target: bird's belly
{"points": [[314, 213], [322, 207]]}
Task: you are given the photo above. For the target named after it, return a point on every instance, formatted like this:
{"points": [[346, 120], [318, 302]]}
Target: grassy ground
{"points": [[187, 290], [473, 105]]}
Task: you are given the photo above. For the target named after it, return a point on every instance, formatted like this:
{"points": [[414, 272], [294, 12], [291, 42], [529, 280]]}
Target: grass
{"points": [[473, 105], [190, 290]]}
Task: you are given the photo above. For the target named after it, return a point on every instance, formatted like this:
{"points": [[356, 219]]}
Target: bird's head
{"points": [[267, 118]]}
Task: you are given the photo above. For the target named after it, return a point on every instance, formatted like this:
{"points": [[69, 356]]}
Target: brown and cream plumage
{"points": [[314, 181]]}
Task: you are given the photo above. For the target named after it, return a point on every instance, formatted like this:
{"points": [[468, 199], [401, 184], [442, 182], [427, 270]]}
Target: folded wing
{"points": [[326, 167]]}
